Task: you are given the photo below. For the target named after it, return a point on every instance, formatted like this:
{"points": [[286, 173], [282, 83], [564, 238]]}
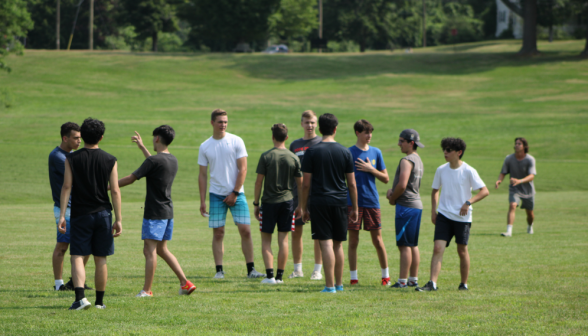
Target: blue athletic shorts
{"points": [[408, 224], [218, 211], [157, 229], [62, 237]]}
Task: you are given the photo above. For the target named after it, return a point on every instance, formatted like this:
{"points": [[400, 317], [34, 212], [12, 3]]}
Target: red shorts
{"points": [[370, 217]]}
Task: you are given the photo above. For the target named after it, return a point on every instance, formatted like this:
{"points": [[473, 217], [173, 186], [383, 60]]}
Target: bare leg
{"points": [[58, 255], [380, 248], [328, 262], [171, 261], [318, 256], [101, 273], [530, 216], [86, 258], [464, 262], [339, 261], [405, 261], [297, 246], [218, 248], [78, 271], [246, 241], [437, 259], [510, 218], [283, 252], [150, 252], [416, 260], [266, 250], [352, 246]]}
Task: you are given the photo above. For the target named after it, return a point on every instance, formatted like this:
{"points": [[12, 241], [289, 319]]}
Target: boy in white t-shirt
{"points": [[453, 217]]}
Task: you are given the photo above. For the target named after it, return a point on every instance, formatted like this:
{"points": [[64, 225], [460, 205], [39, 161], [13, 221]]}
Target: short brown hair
{"points": [[525, 143], [216, 113], [280, 132], [363, 125], [308, 114]]}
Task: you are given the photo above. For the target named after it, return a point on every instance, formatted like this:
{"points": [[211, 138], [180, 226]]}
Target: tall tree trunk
{"points": [[154, 38], [530, 29], [550, 33]]}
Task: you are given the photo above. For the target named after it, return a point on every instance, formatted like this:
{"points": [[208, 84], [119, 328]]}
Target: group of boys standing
{"points": [[317, 179]]}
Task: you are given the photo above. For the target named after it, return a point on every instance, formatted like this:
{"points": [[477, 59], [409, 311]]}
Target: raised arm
{"points": [[65, 192], [257, 194], [116, 201], [405, 169], [202, 176], [137, 139]]}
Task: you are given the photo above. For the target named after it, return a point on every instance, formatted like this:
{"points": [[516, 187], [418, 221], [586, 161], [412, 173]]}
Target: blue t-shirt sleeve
{"points": [[380, 165]]}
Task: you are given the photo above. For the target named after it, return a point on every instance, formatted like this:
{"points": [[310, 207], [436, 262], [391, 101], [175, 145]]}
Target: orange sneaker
{"points": [[354, 282], [187, 289], [386, 282]]}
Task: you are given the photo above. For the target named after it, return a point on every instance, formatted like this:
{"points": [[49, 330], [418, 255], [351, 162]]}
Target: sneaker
{"points": [[339, 288], [268, 281], [61, 288], [462, 286], [427, 288], [88, 287], [296, 275], [255, 274], [530, 229], [279, 281], [316, 276], [386, 282], [100, 306], [398, 285], [69, 285], [187, 289], [329, 290], [219, 275], [354, 282], [412, 283], [79, 305], [143, 293], [506, 234]]}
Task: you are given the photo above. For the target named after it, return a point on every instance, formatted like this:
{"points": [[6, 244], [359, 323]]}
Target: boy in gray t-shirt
{"points": [[521, 167]]}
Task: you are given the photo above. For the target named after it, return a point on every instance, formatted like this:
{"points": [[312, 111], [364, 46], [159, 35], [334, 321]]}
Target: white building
{"points": [[506, 18]]}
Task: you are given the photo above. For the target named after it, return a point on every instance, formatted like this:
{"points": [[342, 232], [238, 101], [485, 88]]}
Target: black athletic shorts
{"points": [[92, 234], [328, 222], [446, 228], [277, 213]]}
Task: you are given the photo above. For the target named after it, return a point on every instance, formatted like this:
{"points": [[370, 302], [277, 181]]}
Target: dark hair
{"points": [[216, 113], [68, 127], [327, 124], [455, 144], [165, 133], [280, 132], [363, 125], [525, 144], [92, 130]]}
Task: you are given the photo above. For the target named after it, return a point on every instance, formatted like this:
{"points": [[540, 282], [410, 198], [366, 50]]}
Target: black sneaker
{"points": [[61, 288], [79, 305], [462, 286], [70, 286], [87, 287], [412, 284], [429, 287], [398, 285]]}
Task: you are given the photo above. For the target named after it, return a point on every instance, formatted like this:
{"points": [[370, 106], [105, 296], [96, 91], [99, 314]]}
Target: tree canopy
{"points": [[15, 21]]}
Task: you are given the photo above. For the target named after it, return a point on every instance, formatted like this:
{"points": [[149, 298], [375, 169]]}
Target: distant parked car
{"points": [[276, 49]]}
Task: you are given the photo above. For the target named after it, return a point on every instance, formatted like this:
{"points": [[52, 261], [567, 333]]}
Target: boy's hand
{"points": [[137, 139]]}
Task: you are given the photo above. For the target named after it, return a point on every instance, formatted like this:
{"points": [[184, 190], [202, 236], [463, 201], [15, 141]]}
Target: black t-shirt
{"points": [[91, 170], [160, 171], [299, 148], [328, 162]]}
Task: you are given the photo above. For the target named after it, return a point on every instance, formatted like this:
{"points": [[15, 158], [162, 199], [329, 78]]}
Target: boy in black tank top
{"points": [[88, 172]]}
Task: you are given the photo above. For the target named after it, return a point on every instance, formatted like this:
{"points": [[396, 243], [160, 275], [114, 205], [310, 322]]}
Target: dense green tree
{"points": [[294, 19], [150, 17], [15, 21]]}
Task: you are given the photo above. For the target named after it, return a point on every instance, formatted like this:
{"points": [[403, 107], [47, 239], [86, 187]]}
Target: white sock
{"points": [[413, 279], [385, 273], [402, 281], [353, 275], [298, 267], [318, 267], [58, 283], [434, 284], [509, 228]]}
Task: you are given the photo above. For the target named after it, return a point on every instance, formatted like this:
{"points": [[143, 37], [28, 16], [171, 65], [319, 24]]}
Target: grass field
{"points": [[482, 93]]}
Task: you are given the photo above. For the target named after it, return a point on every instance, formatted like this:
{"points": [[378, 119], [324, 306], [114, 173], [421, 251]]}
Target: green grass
{"points": [[483, 94]]}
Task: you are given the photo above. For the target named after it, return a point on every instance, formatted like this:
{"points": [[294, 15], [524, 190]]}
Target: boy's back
{"points": [[160, 171], [279, 167]]}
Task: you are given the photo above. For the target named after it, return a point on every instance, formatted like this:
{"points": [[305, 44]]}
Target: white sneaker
{"points": [[219, 275], [506, 234], [255, 274], [296, 275], [143, 293], [100, 306], [266, 281], [316, 276], [530, 229], [279, 281]]}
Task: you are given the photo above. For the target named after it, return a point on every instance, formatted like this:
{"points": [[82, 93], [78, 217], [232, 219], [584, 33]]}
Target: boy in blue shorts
{"points": [[409, 207], [158, 218], [369, 166]]}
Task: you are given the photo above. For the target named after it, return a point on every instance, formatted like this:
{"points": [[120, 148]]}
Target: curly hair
{"points": [[165, 133], [455, 144], [92, 131]]}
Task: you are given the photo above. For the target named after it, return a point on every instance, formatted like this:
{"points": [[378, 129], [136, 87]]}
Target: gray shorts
{"points": [[525, 203]]}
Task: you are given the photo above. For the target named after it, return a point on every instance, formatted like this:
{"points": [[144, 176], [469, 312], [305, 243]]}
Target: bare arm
{"points": [[527, 179], [231, 199], [500, 179], [125, 181], [405, 169], [351, 185], [202, 176], [137, 139], [478, 197], [366, 166], [434, 202], [65, 192], [257, 194], [298, 210], [303, 197], [116, 201]]}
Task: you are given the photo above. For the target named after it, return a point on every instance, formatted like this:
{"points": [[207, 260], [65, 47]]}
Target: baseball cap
{"points": [[412, 135]]}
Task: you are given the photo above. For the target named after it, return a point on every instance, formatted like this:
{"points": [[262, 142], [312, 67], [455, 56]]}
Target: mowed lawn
{"points": [[527, 284]]}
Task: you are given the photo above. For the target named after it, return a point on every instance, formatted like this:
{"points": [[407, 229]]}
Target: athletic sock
{"points": [[402, 281], [280, 274], [385, 273], [318, 267], [269, 272], [99, 298], [353, 275], [58, 283], [434, 284], [509, 228], [219, 268], [79, 293], [298, 267], [413, 279], [250, 268]]}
